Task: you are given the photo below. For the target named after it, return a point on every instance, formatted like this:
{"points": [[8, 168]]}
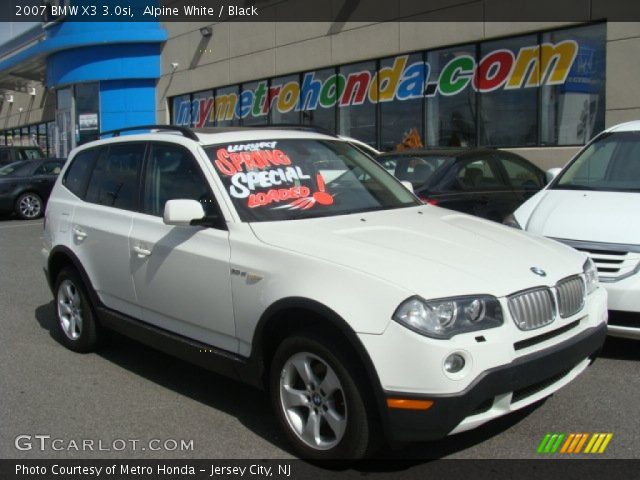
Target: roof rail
{"points": [[185, 131]]}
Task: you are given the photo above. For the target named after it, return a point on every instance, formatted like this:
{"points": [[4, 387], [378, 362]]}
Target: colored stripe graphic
{"points": [[583, 439], [574, 442], [543, 443], [550, 443], [598, 442]]}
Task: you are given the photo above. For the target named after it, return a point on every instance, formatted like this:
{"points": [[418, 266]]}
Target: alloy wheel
{"points": [[313, 401], [30, 206], [70, 310]]}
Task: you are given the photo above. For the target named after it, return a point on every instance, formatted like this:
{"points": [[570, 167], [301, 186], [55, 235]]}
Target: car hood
{"points": [[612, 217], [427, 250]]}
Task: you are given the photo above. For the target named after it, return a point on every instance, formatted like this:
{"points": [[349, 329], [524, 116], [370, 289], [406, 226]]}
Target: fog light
{"points": [[454, 363]]}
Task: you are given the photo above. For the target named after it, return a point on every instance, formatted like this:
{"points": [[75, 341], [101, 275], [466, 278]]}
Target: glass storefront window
{"points": [[33, 135], [202, 109], [24, 136], [573, 112], [285, 107], [256, 99], [450, 112], [401, 86], [226, 105], [87, 101], [64, 122], [42, 138], [318, 98], [181, 109], [538, 89], [51, 139], [357, 113], [506, 117]]}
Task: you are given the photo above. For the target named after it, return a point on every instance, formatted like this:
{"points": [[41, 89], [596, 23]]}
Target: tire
{"points": [[344, 427], [29, 206], [76, 320]]}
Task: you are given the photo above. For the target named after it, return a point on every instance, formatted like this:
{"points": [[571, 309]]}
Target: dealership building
{"points": [[541, 89]]}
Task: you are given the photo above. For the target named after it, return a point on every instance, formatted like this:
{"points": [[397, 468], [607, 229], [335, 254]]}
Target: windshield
{"points": [[417, 169], [303, 178], [16, 169], [610, 163]]}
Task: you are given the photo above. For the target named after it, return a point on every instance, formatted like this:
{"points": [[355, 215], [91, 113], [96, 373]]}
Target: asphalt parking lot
{"points": [[127, 391]]}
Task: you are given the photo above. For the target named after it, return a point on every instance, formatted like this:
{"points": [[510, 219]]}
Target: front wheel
{"points": [[317, 400]]}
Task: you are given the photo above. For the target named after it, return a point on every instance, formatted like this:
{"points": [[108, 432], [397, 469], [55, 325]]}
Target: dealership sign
{"points": [[531, 66]]}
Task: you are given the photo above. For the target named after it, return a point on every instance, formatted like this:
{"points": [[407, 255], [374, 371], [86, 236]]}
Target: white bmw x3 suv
{"points": [[289, 260]]}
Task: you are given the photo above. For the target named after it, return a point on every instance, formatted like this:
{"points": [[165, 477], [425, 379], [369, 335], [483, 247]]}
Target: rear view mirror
{"points": [[182, 212], [408, 185], [552, 173]]}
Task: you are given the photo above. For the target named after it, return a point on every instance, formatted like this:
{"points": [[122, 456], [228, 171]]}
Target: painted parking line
{"points": [[30, 224]]}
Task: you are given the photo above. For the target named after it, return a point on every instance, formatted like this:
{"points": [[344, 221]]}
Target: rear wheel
{"points": [[76, 319], [316, 396], [29, 205]]}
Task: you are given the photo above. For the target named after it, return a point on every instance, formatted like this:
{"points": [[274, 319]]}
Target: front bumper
{"points": [[624, 324], [624, 295], [624, 302], [498, 391]]}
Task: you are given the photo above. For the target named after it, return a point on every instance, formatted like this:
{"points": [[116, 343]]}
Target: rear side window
{"points": [[49, 168], [478, 175], [172, 173], [114, 181], [78, 173], [30, 154], [521, 175]]}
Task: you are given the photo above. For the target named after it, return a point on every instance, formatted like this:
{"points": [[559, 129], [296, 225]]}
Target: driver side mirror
{"points": [[182, 212], [552, 173]]}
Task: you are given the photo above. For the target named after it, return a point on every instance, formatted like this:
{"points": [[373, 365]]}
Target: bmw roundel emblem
{"points": [[539, 271]]}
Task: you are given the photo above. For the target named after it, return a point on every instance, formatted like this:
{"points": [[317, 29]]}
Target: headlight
{"points": [[590, 275], [447, 317], [510, 221]]}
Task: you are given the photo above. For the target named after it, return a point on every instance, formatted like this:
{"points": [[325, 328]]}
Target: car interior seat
{"points": [[472, 177]]}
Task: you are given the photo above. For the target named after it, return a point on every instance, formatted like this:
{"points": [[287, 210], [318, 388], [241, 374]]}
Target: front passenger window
{"points": [[172, 173]]}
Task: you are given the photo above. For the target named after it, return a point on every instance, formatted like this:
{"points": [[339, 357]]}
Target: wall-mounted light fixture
{"points": [[206, 31], [174, 65], [32, 91], [9, 98]]}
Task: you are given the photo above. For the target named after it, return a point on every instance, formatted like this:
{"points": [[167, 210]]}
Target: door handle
{"points": [[79, 233], [141, 252]]}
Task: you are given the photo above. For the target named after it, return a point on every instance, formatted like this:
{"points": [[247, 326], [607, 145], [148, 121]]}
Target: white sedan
{"points": [[593, 205]]}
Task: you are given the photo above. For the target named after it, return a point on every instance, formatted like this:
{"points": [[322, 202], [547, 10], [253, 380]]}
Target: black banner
{"points": [[542, 469], [320, 11]]}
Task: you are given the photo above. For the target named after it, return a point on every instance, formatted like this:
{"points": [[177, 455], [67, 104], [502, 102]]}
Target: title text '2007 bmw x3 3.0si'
{"points": [[289, 260]]}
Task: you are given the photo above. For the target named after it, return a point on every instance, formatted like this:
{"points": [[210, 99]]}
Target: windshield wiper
{"points": [[574, 187], [347, 212], [334, 213]]}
